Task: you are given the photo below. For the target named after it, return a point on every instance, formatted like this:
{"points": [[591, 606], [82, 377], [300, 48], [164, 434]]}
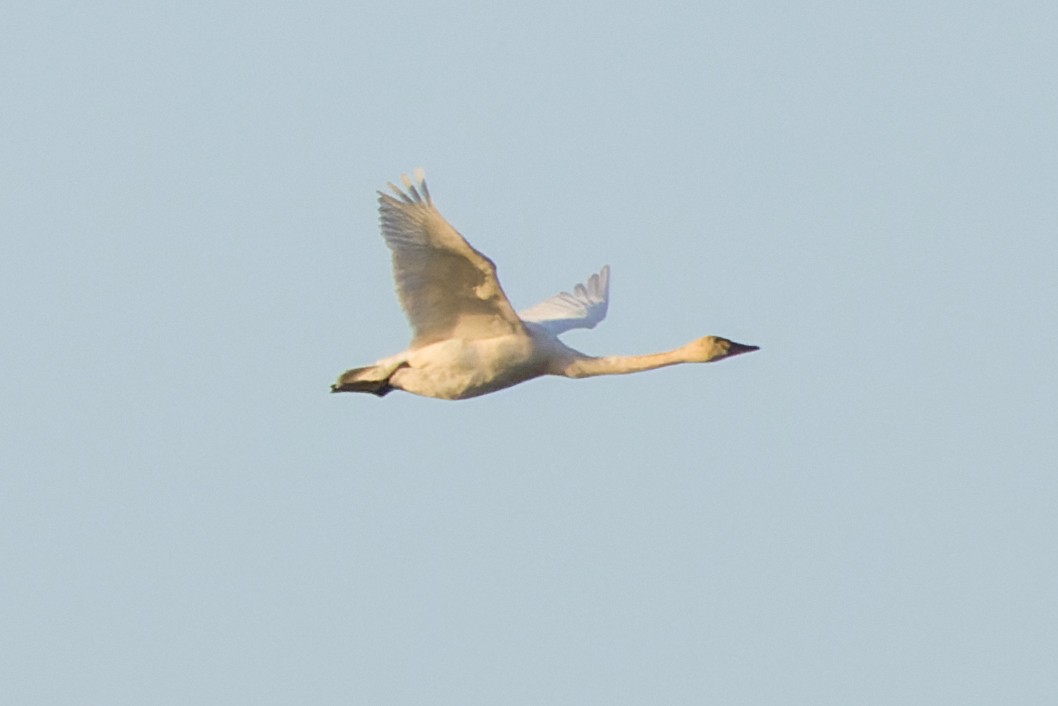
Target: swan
{"points": [[467, 338]]}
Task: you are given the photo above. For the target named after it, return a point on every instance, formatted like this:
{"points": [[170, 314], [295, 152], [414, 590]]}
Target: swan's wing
{"points": [[584, 308], [446, 287]]}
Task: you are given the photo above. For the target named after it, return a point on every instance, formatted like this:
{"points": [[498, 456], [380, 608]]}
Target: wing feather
{"points": [[584, 308], [446, 288]]}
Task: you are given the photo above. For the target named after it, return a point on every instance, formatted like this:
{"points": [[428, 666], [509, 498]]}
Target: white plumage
{"points": [[584, 308], [467, 340]]}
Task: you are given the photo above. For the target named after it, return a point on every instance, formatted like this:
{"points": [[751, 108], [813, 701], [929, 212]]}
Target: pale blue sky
{"points": [[861, 513]]}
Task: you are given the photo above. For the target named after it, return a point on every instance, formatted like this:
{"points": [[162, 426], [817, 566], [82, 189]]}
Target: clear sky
{"points": [[863, 512]]}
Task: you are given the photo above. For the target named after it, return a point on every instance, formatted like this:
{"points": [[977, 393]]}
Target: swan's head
{"points": [[710, 348]]}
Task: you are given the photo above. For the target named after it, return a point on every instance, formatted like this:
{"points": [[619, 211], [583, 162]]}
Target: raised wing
{"points": [[446, 287], [584, 308]]}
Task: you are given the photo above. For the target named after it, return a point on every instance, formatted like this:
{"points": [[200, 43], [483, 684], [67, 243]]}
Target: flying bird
{"points": [[467, 338]]}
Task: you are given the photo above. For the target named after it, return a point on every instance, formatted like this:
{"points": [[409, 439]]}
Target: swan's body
{"points": [[468, 340]]}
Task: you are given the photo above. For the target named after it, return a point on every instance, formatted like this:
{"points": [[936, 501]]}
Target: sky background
{"points": [[864, 512]]}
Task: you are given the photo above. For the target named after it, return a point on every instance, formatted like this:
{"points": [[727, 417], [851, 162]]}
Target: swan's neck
{"points": [[587, 366], [703, 350]]}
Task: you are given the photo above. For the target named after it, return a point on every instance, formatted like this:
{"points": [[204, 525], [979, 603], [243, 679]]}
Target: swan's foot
{"points": [[372, 379], [379, 388]]}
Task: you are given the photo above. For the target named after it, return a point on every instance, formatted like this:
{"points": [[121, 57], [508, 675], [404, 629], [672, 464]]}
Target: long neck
{"points": [[587, 366]]}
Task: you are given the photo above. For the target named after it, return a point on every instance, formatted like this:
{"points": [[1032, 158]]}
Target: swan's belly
{"points": [[456, 369]]}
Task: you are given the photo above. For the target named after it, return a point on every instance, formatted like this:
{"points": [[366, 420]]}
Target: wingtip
{"points": [[602, 281], [418, 176], [396, 192], [414, 190]]}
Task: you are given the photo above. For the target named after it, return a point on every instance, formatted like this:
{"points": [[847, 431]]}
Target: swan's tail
{"points": [[364, 380]]}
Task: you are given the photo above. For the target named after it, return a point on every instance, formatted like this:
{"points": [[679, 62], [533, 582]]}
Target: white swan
{"points": [[468, 340]]}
